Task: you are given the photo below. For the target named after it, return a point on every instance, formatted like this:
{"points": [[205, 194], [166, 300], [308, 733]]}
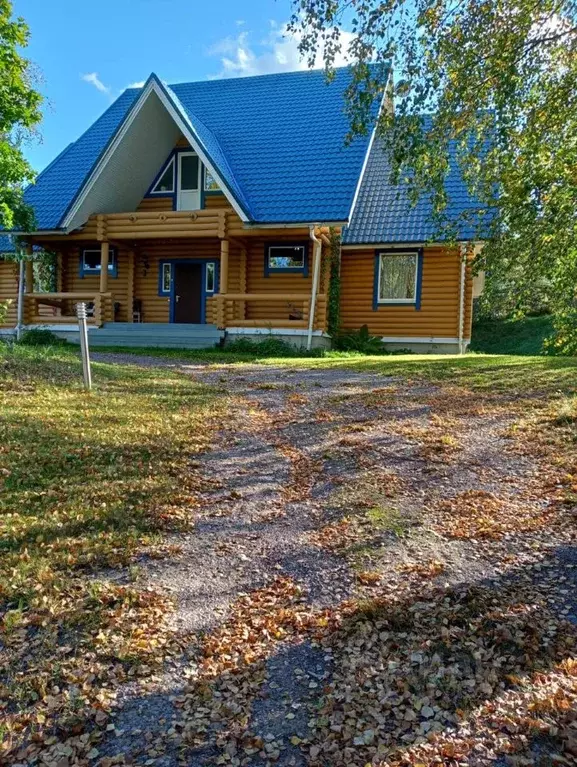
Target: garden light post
{"points": [[81, 314]]}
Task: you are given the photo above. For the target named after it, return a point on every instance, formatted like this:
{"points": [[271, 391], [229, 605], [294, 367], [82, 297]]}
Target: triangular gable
{"points": [[139, 146]]}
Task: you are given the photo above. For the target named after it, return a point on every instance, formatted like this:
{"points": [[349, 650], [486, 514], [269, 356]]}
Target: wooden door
{"points": [[188, 293]]}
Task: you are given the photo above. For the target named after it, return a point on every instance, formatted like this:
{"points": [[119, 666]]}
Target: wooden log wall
{"points": [[439, 313], [9, 291]]}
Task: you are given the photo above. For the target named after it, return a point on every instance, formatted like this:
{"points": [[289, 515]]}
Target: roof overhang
{"points": [[121, 177]]}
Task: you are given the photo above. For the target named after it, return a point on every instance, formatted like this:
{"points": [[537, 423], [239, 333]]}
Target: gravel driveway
{"points": [[335, 480]]}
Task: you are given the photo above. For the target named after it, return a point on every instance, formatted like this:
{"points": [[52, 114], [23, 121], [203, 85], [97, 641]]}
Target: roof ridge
{"points": [[263, 75]]}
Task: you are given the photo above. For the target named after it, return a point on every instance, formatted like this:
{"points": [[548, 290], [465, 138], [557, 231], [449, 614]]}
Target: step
{"points": [[170, 328], [160, 342]]}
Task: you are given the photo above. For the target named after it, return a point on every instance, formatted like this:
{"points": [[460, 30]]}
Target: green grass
{"points": [[524, 336], [483, 372]]}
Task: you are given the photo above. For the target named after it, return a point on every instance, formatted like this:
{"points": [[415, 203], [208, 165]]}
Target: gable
{"points": [[122, 181]]}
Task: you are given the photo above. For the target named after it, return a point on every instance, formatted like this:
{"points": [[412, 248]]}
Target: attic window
{"points": [[286, 257], [165, 184], [210, 184]]}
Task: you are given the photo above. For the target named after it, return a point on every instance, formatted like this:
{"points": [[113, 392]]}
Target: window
{"points": [[210, 184], [164, 278], [397, 277], [189, 172], [286, 258], [210, 277], [165, 184], [90, 261]]}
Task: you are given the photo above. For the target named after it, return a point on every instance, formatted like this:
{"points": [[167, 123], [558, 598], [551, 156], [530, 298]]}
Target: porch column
{"points": [[243, 284], [221, 305], [104, 256], [130, 287], [29, 269]]}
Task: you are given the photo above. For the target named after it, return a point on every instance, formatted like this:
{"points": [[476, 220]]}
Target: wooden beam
{"points": [[29, 269], [104, 257], [243, 281], [130, 287], [223, 266]]}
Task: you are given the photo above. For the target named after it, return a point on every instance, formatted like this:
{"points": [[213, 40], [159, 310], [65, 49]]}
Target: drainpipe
{"points": [[462, 296], [317, 246], [20, 307]]}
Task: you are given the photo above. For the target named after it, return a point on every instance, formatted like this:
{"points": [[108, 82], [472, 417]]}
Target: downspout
{"points": [[462, 296], [317, 246], [20, 307]]}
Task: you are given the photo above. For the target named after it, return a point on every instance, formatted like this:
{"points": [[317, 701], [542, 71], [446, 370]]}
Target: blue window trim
{"points": [[416, 304], [304, 270], [204, 292], [112, 263], [173, 156]]}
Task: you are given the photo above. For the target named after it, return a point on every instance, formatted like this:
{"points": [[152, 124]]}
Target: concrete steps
{"points": [[153, 334]]}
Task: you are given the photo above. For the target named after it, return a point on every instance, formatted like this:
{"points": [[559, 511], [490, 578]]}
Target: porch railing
{"points": [[229, 309], [100, 308]]}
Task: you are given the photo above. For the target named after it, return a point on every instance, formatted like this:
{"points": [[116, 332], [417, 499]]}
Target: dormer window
{"points": [[165, 184]]}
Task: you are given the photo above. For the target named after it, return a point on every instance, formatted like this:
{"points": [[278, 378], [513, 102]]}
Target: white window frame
{"points": [[154, 190], [166, 268], [212, 266], [179, 190], [384, 254]]}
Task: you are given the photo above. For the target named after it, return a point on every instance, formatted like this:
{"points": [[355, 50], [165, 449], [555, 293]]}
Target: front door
{"points": [[187, 293]]}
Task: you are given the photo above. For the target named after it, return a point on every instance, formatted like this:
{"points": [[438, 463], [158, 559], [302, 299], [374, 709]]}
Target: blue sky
{"points": [[88, 53]]}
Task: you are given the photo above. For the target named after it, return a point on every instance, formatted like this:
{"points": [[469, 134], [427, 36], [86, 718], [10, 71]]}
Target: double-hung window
{"points": [[397, 277]]}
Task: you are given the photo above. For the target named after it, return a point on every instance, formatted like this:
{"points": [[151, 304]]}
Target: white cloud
{"points": [[93, 79], [137, 84], [278, 52]]}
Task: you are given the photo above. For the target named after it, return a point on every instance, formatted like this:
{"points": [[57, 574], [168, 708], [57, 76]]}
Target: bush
{"points": [[563, 342], [270, 347], [360, 341], [41, 337]]}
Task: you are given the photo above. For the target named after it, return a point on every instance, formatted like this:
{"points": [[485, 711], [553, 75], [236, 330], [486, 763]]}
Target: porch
{"points": [[200, 268]]}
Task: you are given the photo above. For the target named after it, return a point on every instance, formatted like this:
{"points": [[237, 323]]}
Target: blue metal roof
{"points": [[384, 214], [277, 141]]}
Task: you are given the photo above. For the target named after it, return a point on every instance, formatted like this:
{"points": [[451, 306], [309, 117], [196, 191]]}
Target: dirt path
{"points": [[330, 486]]}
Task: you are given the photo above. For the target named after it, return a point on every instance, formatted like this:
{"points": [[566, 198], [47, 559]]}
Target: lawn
{"points": [[521, 336], [89, 481], [345, 560]]}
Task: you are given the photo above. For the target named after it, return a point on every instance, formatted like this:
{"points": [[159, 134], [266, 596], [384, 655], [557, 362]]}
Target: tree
{"points": [[19, 113], [499, 80]]}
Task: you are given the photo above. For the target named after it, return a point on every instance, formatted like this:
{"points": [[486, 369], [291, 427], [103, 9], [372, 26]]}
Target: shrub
{"points": [[41, 337], [360, 341], [270, 347], [563, 342]]}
